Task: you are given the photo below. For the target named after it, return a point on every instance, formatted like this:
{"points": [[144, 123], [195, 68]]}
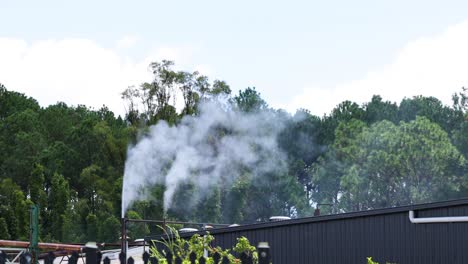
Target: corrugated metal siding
{"points": [[387, 238], [387, 235]]}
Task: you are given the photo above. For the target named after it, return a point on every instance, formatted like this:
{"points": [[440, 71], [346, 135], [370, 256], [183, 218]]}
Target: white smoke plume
{"points": [[213, 147]]}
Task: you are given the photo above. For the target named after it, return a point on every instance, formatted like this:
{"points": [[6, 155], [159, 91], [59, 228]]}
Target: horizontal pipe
{"points": [[428, 220], [170, 222], [54, 246]]}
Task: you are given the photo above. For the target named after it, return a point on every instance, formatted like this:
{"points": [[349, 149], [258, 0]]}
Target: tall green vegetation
{"points": [[70, 159], [197, 246]]}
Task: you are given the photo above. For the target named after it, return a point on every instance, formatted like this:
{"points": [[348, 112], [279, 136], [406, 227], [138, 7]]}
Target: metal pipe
{"points": [[171, 222], [54, 246], [34, 233], [317, 208], [123, 248], [428, 220]]}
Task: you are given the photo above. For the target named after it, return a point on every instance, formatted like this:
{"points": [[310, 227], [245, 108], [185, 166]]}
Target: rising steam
{"points": [[213, 147]]}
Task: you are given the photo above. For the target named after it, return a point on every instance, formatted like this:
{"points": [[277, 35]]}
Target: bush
{"points": [[198, 244]]}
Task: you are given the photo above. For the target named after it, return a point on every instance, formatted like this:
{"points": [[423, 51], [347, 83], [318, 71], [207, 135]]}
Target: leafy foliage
{"points": [[200, 246], [70, 159]]}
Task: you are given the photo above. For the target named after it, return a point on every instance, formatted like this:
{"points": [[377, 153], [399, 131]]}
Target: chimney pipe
{"points": [[124, 237]]}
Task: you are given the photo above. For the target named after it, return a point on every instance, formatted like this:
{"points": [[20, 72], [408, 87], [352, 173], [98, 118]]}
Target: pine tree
{"points": [[4, 229]]}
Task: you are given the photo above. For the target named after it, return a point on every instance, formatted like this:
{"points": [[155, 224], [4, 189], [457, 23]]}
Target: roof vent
{"points": [[187, 229], [279, 218]]}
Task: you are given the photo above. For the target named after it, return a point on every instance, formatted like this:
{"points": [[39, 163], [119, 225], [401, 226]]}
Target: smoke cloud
{"points": [[214, 147]]}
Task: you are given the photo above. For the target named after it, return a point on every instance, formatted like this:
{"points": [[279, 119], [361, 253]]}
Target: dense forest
{"points": [[70, 159]]}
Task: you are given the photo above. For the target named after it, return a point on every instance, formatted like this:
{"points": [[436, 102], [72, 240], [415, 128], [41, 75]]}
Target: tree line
{"points": [[70, 159]]}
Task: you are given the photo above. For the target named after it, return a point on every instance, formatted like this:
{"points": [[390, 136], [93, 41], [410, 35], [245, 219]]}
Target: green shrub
{"points": [[199, 244]]}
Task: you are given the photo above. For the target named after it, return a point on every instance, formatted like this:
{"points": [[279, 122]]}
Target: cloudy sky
{"points": [[298, 54]]}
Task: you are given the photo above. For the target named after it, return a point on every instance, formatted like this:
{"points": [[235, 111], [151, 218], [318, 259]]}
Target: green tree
{"points": [[4, 229], [136, 230], [187, 84], [131, 96], [378, 110], [249, 100], [37, 185], [58, 122], [460, 100], [460, 138], [209, 207], [21, 136], [300, 139], [59, 196], [397, 165], [91, 182], [154, 207], [220, 88], [235, 201], [92, 227], [59, 157], [369, 178], [431, 108], [183, 204], [327, 173], [14, 102], [344, 112], [70, 231], [14, 209], [109, 229], [430, 158]]}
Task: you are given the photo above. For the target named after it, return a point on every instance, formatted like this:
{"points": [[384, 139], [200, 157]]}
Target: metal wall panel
{"points": [[385, 234], [388, 237]]}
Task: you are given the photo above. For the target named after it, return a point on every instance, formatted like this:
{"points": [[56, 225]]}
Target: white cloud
{"points": [[434, 66], [76, 71], [127, 42], [80, 71]]}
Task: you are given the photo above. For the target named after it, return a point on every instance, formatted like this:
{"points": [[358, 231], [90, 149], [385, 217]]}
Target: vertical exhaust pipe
{"points": [[123, 241]]}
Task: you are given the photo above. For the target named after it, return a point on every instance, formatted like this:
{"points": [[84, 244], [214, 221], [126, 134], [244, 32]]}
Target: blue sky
{"points": [[310, 54]]}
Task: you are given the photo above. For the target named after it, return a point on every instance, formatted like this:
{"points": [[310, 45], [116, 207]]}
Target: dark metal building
{"points": [[388, 235]]}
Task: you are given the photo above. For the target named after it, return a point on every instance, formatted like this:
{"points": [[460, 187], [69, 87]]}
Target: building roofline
{"points": [[333, 217]]}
